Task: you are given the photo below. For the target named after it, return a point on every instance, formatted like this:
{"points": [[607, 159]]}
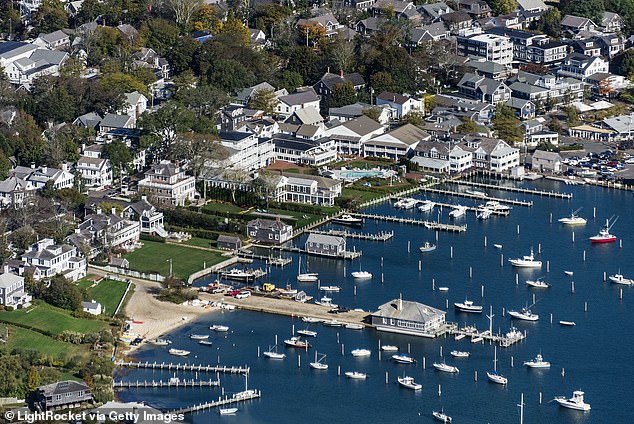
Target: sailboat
{"points": [[318, 365], [494, 376], [272, 353], [361, 275], [308, 277]]}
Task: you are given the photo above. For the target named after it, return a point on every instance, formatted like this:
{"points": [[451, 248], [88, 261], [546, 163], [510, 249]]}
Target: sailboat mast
{"points": [[521, 405]]}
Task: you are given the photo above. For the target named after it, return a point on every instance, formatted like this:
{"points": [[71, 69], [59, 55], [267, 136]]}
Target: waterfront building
{"points": [[63, 395], [46, 259], [12, 290], [407, 317], [226, 242], [167, 183], [327, 245], [494, 48], [269, 231]]}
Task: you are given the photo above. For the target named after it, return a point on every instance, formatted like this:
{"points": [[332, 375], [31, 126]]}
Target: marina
{"points": [[172, 382], [185, 367], [514, 202], [514, 189], [383, 236], [428, 224]]}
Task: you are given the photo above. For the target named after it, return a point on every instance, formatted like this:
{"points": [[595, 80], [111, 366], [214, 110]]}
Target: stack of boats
{"points": [[405, 203]]}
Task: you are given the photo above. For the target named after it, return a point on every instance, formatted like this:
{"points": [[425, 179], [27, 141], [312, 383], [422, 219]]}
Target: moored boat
{"points": [[389, 348], [538, 362], [325, 301], [427, 247], [573, 219], [205, 343], [468, 306], [333, 289], [356, 375], [409, 383], [426, 206], [179, 352], [494, 205], [307, 332], [460, 354], [524, 314], [361, 352], [160, 342], [199, 336], [442, 417], [272, 353], [484, 213], [353, 326], [219, 328], [347, 219], [227, 411], [494, 376], [317, 364], [567, 323], [442, 366], [575, 402], [297, 342], [403, 359], [361, 275], [527, 261], [539, 283], [620, 279], [604, 235], [458, 212]]}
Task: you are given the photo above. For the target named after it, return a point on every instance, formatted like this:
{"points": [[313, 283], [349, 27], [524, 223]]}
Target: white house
{"points": [[494, 48], [39, 176], [402, 105], [95, 170], [289, 104], [47, 259], [246, 152], [15, 191], [580, 66], [167, 183], [108, 230], [396, 143], [92, 307], [350, 136], [543, 161], [12, 290], [491, 153], [24, 62], [135, 104]]}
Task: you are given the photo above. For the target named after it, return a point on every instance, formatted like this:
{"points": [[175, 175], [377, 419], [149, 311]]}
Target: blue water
{"points": [[360, 174], [595, 354]]}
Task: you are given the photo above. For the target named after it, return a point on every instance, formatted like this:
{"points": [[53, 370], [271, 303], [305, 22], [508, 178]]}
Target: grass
{"points": [[155, 256], [32, 340], [107, 292], [303, 218], [200, 242], [223, 207], [47, 318], [379, 188]]}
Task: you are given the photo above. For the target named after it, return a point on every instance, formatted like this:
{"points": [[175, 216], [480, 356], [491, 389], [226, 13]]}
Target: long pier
{"points": [[382, 236], [185, 367], [346, 255], [475, 196], [554, 194], [504, 341], [165, 384], [427, 224], [237, 397], [270, 260], [472, 209]]}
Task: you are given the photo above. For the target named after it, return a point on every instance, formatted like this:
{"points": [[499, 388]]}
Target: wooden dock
{"points": [[165, 384], [554, 194], [270, 260], [185, 367], [428, 224], [382, 236], [471, 209], [502, 340], [293, 249], [237, 397], [477, 197]]}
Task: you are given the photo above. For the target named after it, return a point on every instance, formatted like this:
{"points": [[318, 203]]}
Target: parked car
{"points": [[243, 294]]}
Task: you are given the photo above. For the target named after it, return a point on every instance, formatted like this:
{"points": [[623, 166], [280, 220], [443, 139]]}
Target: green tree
{"points": [[166, 123], [5, 166], [572, 116], [63, 294], [49, 17], [502, 7], [32, 380], [624, 64], [264, 100], [342, 94], [592, 9], [550, 22], [120, 156], [468, 126], [160, 35], [414, 118], [180, 56], [123, 83], [382, 81], [26, 138], [373, 113], [290, 80], [506, 124]]}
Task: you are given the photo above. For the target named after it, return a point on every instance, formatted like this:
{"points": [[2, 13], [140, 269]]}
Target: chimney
{"points": [[32, 166], [44, 169], [400, 302], [83, 147], [5, 269], [328, 71], [341, 73], [144, 197], [114, 211], [64, 166], [98, 211]]}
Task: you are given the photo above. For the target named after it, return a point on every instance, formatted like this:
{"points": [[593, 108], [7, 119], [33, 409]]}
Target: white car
{"points": [[243, 295]]}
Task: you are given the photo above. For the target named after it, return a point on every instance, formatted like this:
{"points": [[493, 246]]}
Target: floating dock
{"points": [[165, 384], [471, 208], [428, 224], [504, 341], [382, 236], [270, 260], [292, 249], [237, 397], [554, 194], [185, 367], [475, 196]]}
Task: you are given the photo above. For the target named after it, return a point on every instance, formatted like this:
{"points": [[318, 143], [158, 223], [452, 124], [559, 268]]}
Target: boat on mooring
{"points": [[458, 211], [539, 283], [307, 332], [441, 416], [199, 336], [356, 375], [527, 261], [524, 314], [575, 402], [332, 289], [468, 306], [205, 343], [409, 383], [442, 366], [604, 235], [538, 362], [567, 323], [360, 353], [573, 219], [389, 348], [426, 206], [219, 328], [306, 277], [494, 376], [620, 279], [361, 275], [427, 247], [317, 364], [178, 352], [347, 219], [297, 342], [460, 354], [272, 353], [403, 359], [227, 411]]}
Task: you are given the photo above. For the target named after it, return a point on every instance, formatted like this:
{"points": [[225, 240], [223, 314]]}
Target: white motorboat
{"points": [[468, 306], [311, 320], [296, 341], [409, 383], [538, 362], [347, 219], [227, 411], [477, 339], [288, 291], [239, 274], [458, 211], [442, 417], [307, 332], [527, 261], [272, 353], [567, 323], [573, 219], [205, 343], [361, 352], [353, 326], [604, 235], [575, 402], [389, 348], [160, 342], [356, 375], [569, 273], [620, 279], [494, 205], [524, 314], [199, 336], [460, 354], [459, 337], [332, 289], [443, 289], [442, 366], [476, 193], [539, 283], [179, 352], [494, 377], [484, 213], [219, 328], [306, 277], [361, 275], [332, 323], [325, 301], [497, 246], [427, 247], [426, 206], [406, 203], [403, 359], [317, 364]]}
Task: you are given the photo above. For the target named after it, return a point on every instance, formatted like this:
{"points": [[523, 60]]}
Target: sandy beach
{"points": [[152, 317]]}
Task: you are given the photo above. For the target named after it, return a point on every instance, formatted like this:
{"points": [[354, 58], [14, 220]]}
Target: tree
{"points": [[264, 100], [5, 166], [200, 151], [183, 10], [122, 83], [592, 9], [414, 118], [572, 116], [181, 54], [382, 81], [624, 64], [49, 17], [120, 156], [550, 22], [160, 34], [506, 124], [342, 54], [63, 294], [555, 125], [26, 138], [166, 123], [502, 7], [373, 113], [32, 380], [468, 126], [342, 95]]}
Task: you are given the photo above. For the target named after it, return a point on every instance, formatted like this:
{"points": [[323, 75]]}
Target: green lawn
{"points": [[200, 242], [27, 339], [45, 317], [375, 191], [223, 207], [155, 256], [303, 218], [107, 292]]}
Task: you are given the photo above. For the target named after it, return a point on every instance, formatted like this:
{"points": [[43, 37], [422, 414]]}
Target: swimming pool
{"points": [[360, 174]]}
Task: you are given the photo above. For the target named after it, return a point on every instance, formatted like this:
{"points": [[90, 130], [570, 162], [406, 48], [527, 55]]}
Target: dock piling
{"points": [[470, 272], [604, 276], [572, 287], [258, 351], [338, 370], [450, 252], [501, 260], [512, 363], [518, 229], [584, 255], [482, 291], [475, 376], [517, 279], [551, 218], [585, 306], [547, 266], [573, 236], [387, 377], [485, 241], [408, 245], [424, 362], [420, 265]]}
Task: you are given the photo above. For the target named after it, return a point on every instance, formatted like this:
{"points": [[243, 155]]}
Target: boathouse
{"points": [[407, 317], [268, 231], [327, 245]]}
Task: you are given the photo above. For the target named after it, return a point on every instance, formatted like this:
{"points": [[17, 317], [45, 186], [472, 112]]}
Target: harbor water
{"points": [[592, 356]]}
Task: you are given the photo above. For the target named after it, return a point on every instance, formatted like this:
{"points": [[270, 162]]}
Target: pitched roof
{"points": [[575, 21], [62, 387], [7, 279], [532, 5], [299, 98], [308, 115], [112, 120], [388, 96], [268, 224], [325, 239], [549, 156], [331, 80], [362, 125], [408, 311]]}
